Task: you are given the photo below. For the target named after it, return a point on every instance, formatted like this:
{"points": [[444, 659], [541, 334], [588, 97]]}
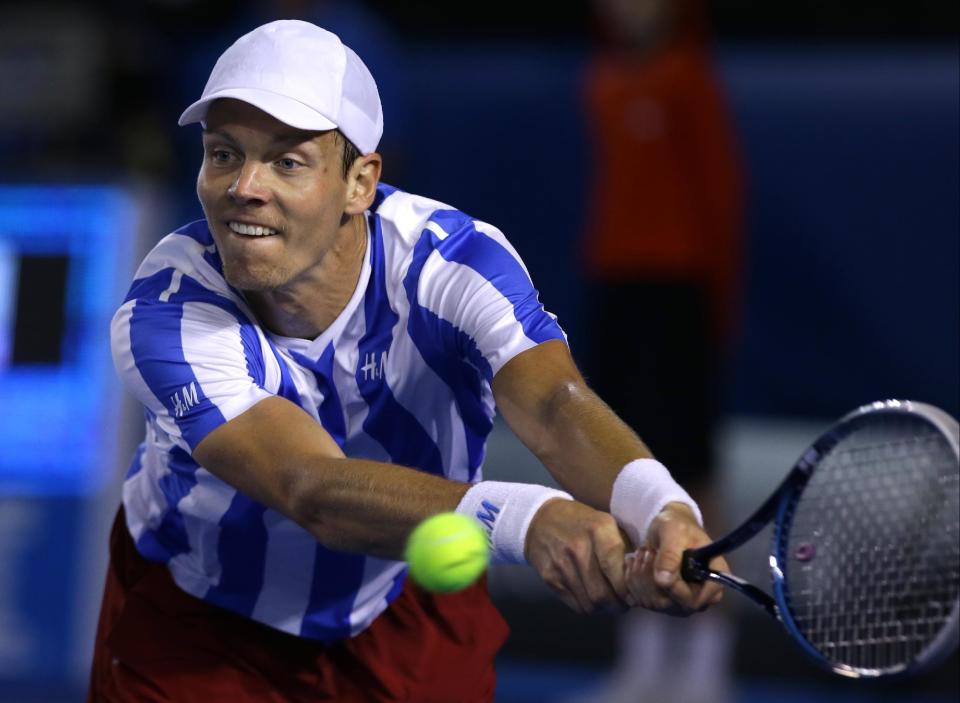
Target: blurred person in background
{"points": [[318, 361], [662, 250]]}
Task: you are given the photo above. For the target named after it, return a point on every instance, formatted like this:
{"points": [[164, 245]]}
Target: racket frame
{"points": [[778, 508]]}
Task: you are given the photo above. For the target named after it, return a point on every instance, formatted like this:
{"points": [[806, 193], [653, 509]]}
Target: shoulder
{"points": [[404, 215], [426, 226], [179, 292], [184, 264]]}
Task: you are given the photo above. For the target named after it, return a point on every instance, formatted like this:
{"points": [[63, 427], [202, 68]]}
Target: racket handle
{"points": [[692, 569]]}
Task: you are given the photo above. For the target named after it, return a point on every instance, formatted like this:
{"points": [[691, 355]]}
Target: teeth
{"points": [[251, 230]]}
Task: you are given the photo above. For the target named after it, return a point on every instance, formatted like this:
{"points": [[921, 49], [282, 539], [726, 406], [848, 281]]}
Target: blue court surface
{"points": [[543, 684], [527, 683], [522, 682]]}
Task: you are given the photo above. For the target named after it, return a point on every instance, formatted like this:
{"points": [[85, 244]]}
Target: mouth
{"points": [[249, 230]]}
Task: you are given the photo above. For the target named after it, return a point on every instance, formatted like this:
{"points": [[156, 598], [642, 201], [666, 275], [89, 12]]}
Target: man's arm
{"points": [[278, 455], [584, 445], [580, 440]]}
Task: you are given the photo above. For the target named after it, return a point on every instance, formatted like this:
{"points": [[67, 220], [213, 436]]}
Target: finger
{"points": [[655, 598], [696, 596], [603, 593], [710, 594], [570, 574], [557, 580], [599, 592], [641, 583], [611, 561], [667, 562], [612, 598], [666, 575], [683, 595], [713, 591], [631, 567], [720, 564], [570, 601], [635, 564], [674, 595], [674, 539], [558, 584]]}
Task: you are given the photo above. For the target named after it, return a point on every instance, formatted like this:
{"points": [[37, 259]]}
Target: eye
{"points": [[220, 156], [288, 164]]}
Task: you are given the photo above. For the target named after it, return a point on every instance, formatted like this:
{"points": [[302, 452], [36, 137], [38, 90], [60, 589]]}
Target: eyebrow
{"points": [[277, 140]]}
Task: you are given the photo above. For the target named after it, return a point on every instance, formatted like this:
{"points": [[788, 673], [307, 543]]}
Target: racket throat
{"points": [[761, 598], [694, 570]]}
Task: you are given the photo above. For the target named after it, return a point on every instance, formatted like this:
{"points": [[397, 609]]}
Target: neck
{"points": [[308, 305]]}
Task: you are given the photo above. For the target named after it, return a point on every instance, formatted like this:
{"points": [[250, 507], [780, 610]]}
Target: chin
{"points": [[254, 281]]}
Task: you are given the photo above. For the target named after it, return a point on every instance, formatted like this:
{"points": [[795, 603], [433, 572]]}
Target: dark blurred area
{"points": [[844, 117]]}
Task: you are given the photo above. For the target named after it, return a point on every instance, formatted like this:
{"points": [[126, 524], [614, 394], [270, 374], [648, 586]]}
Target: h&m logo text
{"points": [[372, 366], [184, 399]]}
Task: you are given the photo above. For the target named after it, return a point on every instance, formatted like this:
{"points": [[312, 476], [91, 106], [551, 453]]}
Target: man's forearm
{"points": [[580, 440], [278, 455], [365, 506], [584, 444]]}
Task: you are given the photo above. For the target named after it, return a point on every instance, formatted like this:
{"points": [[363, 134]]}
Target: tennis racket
{"points": [[865, 558]]}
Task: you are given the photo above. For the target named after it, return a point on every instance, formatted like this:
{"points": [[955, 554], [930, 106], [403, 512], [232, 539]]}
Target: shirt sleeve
{"points": [[194, 362], [476, 282]]}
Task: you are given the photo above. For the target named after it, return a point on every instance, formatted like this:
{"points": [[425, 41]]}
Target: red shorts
{"points": [[157, 643]]}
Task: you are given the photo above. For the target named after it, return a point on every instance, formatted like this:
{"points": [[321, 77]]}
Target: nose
{"points": [[248, 185]]}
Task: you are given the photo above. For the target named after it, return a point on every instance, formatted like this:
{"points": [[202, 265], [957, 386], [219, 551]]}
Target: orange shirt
{"points": [[666, 201]]}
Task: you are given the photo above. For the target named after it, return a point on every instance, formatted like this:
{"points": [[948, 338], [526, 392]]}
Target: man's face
{"points": [[273, 195]]}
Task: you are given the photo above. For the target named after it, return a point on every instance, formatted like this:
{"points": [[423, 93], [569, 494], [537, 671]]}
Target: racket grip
{"points": [[692, 569]]}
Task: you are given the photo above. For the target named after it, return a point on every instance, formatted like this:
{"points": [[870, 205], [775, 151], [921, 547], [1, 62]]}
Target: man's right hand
{"points": [[579, 553]]}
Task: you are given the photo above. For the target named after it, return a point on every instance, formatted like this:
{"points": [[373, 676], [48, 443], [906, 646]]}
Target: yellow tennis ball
{"points": [[447, 552]]}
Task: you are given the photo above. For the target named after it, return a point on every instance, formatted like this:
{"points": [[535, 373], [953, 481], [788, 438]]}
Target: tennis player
{"points": [[319, 361]]}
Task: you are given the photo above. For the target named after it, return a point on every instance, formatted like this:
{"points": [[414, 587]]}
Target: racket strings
{"points": [[872, 551]]}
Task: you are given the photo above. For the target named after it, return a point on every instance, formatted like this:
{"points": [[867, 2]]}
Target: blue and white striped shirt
{"points": [[402, 375]]}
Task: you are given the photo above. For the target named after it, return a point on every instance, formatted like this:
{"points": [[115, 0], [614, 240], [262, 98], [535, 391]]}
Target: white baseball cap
{"points": [[303, 76]]}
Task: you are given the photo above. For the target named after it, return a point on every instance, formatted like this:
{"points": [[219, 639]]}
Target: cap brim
{"points": [[280, 107]]}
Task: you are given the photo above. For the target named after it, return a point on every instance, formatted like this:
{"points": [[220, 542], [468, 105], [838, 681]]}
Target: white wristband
{"points": [[505, 511], [641, 490]]}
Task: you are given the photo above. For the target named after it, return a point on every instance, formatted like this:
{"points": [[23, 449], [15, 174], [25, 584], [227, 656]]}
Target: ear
{"points": [[362, 181]]}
